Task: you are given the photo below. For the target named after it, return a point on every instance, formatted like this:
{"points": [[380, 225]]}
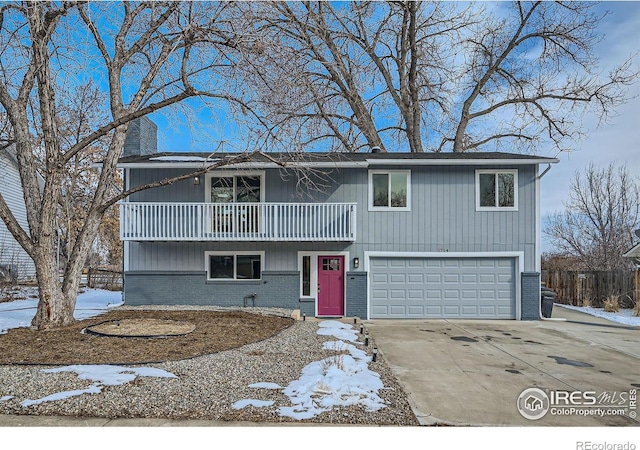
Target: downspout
{"points": [[552, 319], [543, 173]]}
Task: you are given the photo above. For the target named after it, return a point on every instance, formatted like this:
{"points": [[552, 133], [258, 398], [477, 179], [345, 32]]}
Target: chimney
{"points": [[142, 138], [375, 149]]}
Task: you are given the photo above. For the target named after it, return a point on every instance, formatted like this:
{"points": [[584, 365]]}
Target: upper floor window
{"points": [[390, 190], [496, 190], [235, 188]]}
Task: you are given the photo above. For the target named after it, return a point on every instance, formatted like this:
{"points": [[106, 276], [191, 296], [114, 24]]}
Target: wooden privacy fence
{"points": [[104, 278], [573, 288]]}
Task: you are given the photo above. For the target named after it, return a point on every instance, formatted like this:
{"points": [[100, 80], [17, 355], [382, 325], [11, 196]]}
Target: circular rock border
{"points": [[157, 328]]}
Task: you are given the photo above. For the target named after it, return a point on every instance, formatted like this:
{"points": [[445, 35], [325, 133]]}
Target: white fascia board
{"points": [[459, 162], [633, 253], [342, 164], [254, 165]]}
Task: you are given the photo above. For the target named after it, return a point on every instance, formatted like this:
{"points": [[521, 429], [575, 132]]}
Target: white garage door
{"points": [[442, 288]]}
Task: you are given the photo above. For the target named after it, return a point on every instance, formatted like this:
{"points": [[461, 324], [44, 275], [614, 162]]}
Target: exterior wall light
{"points": [[356, 263], [196, 180]]}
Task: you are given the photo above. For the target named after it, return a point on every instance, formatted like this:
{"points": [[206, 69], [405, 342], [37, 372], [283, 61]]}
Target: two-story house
{"points": [[373, 235], [13, 259]]}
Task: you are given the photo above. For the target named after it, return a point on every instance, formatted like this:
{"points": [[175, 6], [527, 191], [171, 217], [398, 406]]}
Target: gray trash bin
{"points": [[547, 298]]}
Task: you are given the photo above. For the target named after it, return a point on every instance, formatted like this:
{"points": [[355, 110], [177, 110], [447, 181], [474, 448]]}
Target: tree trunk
{"points": [[458, 143], [54, 308]]}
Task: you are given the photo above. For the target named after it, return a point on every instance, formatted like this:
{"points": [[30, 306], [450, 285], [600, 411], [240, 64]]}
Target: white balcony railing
{"points": [[237, 221]]}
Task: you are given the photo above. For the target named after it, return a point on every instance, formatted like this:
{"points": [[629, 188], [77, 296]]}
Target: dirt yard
{"points": [[214, 332]]}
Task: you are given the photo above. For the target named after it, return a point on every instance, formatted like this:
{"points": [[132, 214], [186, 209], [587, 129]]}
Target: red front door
{"points": [[331, 285]]}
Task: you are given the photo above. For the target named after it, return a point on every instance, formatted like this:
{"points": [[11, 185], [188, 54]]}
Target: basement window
{"points": [[234, 266]]}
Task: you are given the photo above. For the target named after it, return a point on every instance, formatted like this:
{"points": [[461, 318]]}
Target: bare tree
{"points": [[146, 56], [356, 74], [418, 75], [531, 74], [597, 225]]}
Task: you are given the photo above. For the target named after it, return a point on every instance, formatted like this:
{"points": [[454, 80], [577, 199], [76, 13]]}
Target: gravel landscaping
{"points": [[207, 387]]}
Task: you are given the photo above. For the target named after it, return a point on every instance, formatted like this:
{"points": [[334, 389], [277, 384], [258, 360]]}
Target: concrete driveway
{"points": [[473, 371]]}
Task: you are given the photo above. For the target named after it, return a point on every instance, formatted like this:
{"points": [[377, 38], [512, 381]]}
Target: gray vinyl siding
{"points": [[11, 189], [443, 217]]}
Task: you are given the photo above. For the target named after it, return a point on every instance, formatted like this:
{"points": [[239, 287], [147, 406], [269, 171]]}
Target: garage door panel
{"points": [[451, 310], [451, 278], [487, 262], [379, 263], [487, 278], [434, 278], [397, 263], [415, 310], [505, 278], [469, 310], [486, 310], [397, 310], [379, 278], [417, 278], [442, 287], [471, 278], [469, 294], [398, 278], [469, 262]]}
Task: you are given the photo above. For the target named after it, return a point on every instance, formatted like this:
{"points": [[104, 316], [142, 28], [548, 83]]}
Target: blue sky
{"points": [[616, 141]]}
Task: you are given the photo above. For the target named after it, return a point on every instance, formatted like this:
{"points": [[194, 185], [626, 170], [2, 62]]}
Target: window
{"points": [[306, 276], [496, 190], [234, 266], [390, 190], [330, 264], [236, 189]]}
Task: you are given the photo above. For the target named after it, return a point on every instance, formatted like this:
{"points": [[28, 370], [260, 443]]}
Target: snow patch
{"points": [[340, 346], [339, 380], [91, 303], [6, 398], [338, 330], [334, 381], [93, 389], [176, 158], [102, 375], [265, 385], [624, 316]]}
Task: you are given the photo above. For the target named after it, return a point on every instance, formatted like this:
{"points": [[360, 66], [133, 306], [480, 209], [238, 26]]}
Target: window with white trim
{"points": [[496, 190], [235, 187], [390, 190], [234, 265]]}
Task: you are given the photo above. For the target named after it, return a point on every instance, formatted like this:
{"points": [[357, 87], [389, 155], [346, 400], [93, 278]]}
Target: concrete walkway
{"points": [[472, 371]]}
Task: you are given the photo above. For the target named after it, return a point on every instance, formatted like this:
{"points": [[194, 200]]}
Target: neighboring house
{"points": [[634, 253], [11, 253], [392, 235]]}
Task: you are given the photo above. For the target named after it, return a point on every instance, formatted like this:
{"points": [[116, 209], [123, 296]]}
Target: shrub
{"points": [[611, 304], [586, 302]]}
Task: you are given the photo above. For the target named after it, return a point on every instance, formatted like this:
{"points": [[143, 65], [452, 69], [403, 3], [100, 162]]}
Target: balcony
{"points": [[237, 221]]}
